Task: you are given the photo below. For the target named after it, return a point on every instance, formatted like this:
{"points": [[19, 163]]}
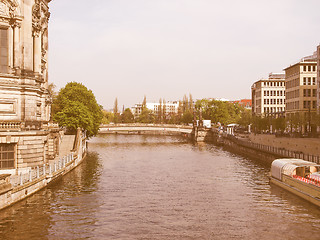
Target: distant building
{"points": [[246, 103], [219, 99], [301, 88], [167, 107], [268, 96]]}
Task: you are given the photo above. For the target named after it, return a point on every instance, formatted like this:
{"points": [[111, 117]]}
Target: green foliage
{"points": [[146, 116], [187, 117], [127, 116], [279, 124], [245, 118], [261, 124], [107, 117], [77, 107], [219, 111]]}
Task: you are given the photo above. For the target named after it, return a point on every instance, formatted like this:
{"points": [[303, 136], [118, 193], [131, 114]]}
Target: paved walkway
{"points": [[66, 145]]}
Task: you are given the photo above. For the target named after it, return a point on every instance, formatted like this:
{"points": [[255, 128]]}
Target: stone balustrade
{"points": [[10, 126]]}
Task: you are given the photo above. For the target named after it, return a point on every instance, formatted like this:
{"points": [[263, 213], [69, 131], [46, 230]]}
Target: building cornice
{"points": [[302, 63]]}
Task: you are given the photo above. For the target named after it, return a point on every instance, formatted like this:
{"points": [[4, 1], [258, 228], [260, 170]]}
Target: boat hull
{"points": [[298, 189]]}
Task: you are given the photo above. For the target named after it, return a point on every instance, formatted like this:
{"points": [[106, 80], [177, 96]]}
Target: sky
{"points": [[128, 49]]}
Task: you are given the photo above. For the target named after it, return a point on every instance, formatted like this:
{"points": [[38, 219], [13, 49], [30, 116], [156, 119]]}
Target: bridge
{"points": [[138, 128]]}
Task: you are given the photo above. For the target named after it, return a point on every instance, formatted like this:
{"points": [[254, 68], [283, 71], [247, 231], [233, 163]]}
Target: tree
{"points": [[77, 107], [190, 103], [164, 111], [187, 117], [107, 117], [146, 116], [246, 118], [115, 111], [219, 111], [127, 116], [160, 111], [144, 103]]}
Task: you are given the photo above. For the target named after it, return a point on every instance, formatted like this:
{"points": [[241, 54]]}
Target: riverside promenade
{"points": [[305, 145], [14, 188], [269, 147]]}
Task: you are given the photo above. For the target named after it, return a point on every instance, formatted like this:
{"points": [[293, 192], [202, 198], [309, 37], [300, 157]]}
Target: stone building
{"points": [[318, 78], [301, 91], [268, 96], [25, 138]]}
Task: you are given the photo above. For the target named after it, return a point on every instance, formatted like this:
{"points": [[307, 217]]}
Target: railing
{"points": [[144, 125], [27, 125], [46, 170], [10, 126], [281, 152]]}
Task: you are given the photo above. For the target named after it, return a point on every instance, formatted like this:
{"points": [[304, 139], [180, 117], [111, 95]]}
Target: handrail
{"points": [[47, 170]]}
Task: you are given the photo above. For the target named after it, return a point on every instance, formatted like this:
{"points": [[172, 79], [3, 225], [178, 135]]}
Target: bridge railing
{"points": [[144, 125]]}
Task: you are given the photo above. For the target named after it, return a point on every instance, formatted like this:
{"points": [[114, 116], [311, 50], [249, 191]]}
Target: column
{"points": [[10, 47], [16, 48], [37, 52]]}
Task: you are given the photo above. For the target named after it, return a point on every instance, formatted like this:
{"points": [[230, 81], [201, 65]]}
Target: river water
{"points": [[150, 187]]}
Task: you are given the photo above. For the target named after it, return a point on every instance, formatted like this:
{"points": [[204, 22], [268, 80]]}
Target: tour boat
{"points": [[297, 176]]}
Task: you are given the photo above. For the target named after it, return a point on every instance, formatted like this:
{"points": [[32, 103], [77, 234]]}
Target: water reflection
{"points": [[150, 187]]}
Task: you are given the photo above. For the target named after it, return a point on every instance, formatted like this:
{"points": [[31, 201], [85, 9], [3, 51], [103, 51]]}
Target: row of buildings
{"points": [[167, 108], [295, 92], [174, 107]]}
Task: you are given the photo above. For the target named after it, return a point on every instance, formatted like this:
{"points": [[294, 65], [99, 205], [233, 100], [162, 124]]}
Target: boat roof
{"points": [[293, 161], [288, 165]]}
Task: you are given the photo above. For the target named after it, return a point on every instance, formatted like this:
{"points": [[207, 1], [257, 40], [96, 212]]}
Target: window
{"points": [[313, 81], [3, 50], [314, 92], [314, 68], [309, 80], [304, 68], [38, 109], [309, 68], [304, 81], [6, 156]]}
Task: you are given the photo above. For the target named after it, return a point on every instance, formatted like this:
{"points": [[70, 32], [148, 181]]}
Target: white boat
{"points": [[299, 177]]}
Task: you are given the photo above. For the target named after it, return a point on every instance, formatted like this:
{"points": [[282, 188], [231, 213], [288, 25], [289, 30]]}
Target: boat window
{"points": [[300, 171]]}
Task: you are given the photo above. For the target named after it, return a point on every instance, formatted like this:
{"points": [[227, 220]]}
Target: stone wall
{"points": [[305, 145], [32, 148]]}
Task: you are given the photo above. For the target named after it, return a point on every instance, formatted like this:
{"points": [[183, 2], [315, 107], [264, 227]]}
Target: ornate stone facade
{"points": [[25, 101]]}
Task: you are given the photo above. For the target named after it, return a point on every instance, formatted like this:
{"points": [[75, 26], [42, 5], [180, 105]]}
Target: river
{"points": [[161, 187]]}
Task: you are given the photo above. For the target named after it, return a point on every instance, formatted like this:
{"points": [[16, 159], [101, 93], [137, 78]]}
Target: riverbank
{"points": [[268, 147], [14, 188]]}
